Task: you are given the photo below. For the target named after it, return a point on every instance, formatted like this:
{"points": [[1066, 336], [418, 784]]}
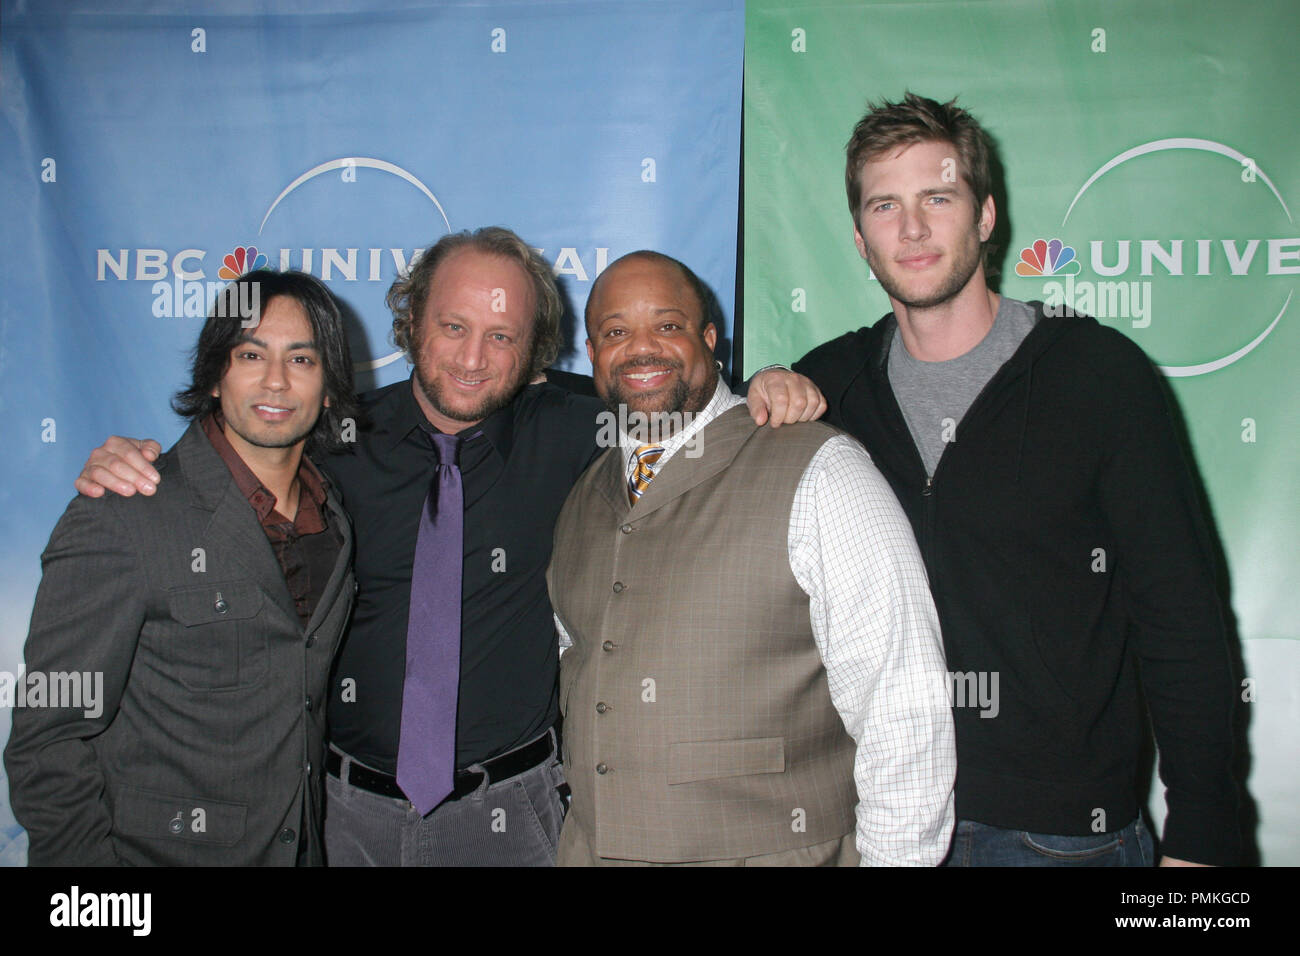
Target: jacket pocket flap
{"points": [[189, 819], [709, 759], [213, 603]]}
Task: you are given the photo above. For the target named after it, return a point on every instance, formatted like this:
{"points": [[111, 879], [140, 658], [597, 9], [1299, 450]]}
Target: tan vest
{"points": [[698, 725]]}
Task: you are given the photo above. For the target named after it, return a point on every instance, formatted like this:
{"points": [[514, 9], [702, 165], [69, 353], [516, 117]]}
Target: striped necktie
{"points": [[643, 473]]}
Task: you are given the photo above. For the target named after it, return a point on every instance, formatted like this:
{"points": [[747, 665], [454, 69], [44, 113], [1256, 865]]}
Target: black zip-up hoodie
{"points": [[1066, 554]]}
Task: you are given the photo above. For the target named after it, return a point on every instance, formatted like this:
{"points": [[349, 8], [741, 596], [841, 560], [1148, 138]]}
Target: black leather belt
{"points": [[467, 781]]}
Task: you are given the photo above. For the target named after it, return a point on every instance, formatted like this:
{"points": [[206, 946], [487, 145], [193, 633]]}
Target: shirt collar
{"points": [[498, 428], [722, 400], [261, 499]]}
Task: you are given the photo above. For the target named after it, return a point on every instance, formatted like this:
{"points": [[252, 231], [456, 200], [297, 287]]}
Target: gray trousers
{"points": [[512, 822]]}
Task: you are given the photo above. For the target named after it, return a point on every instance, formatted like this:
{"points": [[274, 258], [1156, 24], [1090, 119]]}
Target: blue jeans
{"points": [[978, 844]]}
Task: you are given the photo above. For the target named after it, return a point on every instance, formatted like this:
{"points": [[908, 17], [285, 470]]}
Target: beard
{"points": [[963, 267], [486, 405], [681, 397]]}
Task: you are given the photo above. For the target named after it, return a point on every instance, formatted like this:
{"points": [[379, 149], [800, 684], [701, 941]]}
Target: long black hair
{"points": [[231, 316]]}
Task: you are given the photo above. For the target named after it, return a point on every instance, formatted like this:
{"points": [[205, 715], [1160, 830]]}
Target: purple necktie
{"points": [[426, 752]]}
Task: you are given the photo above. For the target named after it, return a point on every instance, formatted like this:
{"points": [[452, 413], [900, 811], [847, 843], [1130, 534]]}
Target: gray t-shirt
{"points": [[934, 396]]}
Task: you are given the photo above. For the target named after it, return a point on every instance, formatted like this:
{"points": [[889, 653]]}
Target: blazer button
{"points": [[602, 768], [311, 640], [626, 529], [607, 645], [307, 703], [175, 824], [619, 587], [602, 707], [220, 606], [287, 835]]}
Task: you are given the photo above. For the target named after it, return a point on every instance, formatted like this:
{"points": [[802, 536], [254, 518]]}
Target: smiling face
{"points": [[918, 227], [647, 348], [273, 390], [475, 337]]}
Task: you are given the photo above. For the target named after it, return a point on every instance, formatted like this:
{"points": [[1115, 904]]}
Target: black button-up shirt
{"points": [[517, 475]]}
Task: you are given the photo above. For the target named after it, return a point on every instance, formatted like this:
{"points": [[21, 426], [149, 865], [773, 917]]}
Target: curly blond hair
{"points": [[409, 293]]}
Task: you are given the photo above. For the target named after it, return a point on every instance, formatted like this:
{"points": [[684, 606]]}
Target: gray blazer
{"points": [[209, 744]]}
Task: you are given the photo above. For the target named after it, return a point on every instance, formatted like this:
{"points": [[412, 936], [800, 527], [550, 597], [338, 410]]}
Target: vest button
{"points": [[602, 707], [311, 640], [602, 768], [607, 645], [307, 703], [626, 529], [619, 586]]}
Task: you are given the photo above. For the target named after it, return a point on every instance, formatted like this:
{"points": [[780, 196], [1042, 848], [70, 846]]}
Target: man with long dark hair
{"points": [[199, 628]]}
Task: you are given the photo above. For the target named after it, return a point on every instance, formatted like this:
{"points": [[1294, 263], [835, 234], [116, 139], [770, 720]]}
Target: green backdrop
{"points": [[1162, 132]]}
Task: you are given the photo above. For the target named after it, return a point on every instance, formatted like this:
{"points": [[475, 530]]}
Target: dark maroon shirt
{"points": [[307, 548]]}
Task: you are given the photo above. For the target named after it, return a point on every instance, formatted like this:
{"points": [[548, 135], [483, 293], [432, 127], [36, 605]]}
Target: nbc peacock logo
{"points": [[242, 259], [1188, 242], [1047, 258]]}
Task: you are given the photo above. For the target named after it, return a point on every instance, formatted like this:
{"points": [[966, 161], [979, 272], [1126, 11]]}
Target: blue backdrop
{"points": [[144, 143]]}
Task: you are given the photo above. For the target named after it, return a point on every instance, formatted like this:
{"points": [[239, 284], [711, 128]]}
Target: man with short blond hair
{"points": [[1035, 457]]}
